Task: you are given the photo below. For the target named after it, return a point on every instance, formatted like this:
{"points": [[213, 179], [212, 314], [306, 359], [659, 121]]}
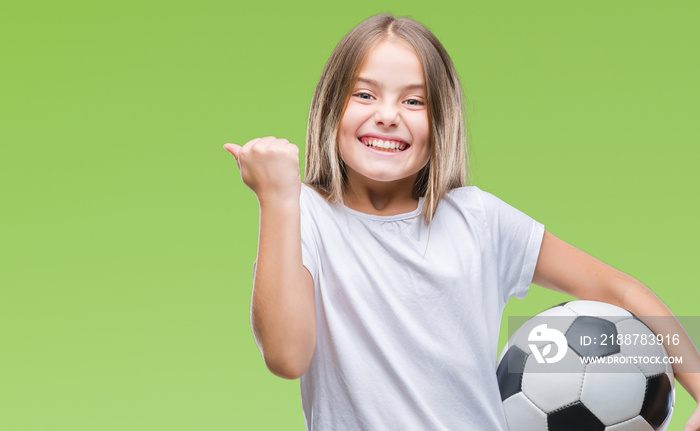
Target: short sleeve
{"points": [[309, 244], [516, 241]]}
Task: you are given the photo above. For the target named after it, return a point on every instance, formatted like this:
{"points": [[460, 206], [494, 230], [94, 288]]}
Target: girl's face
{"points": [[385, 133]]}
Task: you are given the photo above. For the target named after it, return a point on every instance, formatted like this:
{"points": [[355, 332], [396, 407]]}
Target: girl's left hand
{"points": [[693, 423]]}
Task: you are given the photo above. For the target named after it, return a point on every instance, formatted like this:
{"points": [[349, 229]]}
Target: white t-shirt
{"points": [[407, 317]]}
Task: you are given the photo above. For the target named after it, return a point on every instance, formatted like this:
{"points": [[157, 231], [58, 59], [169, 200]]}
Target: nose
{"points": [[387, 114]]}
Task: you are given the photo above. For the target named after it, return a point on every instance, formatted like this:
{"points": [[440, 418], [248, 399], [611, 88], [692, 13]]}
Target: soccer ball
{"points": [[585, 365]]}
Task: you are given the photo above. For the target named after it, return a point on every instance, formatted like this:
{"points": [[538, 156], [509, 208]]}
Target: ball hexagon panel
{"points": [[640, 321], [669, 373], [622, 383], [559, 318], [664, 426], [594, 308], [592, 327], [510, 372], [550, 390], [636, 329], [522, 415], [558, 310], [575, 417], [635, 424], [658, 400]]}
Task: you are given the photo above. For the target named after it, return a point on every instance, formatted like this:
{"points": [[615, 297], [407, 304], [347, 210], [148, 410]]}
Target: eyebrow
{"points": [[376, 84]]}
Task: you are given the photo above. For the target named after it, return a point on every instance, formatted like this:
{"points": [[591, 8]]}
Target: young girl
{"points": [[381, 281]]}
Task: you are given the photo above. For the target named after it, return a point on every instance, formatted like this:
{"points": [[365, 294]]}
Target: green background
{"points": [[127, 237]]}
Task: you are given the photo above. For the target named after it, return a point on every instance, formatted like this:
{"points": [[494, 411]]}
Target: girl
{"points": [[381, 281]]}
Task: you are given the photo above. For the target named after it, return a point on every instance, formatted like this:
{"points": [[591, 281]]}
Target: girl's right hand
{"points": [[269, 167]]}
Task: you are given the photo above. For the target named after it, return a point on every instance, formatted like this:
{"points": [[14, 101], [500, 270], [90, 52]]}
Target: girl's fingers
{"points": [[233, 149], [268, 141]]}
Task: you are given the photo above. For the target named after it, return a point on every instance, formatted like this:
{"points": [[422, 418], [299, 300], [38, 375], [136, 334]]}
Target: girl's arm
{"points": [[282, 305], [566, 269]]}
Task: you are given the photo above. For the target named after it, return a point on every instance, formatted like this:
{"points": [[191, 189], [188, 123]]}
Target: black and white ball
{"points": [[545, 388]]}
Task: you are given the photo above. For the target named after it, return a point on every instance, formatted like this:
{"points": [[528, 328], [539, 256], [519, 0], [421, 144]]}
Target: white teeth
{"points": [[389, 145]]}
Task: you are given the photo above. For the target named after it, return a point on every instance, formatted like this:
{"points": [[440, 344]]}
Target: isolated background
{"points": [[127, 237]]}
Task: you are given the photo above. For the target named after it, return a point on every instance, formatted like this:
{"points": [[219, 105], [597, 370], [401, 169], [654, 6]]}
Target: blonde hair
{"points": [[447, 167]]}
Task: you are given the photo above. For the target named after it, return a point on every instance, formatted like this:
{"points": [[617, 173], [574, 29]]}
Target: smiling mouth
{"points": [[384, 145]]}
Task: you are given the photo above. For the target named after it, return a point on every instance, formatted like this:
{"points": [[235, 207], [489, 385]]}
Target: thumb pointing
{"points": [[233, 149]]}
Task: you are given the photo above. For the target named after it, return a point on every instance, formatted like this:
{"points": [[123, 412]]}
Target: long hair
{"points": [[448, 165]]}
